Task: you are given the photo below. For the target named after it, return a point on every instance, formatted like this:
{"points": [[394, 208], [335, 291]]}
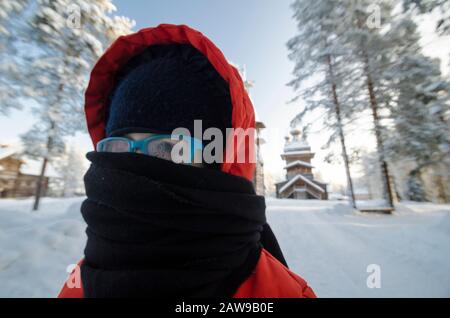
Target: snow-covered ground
{"points": [[324, 241], [331, 247], [37, 247]]}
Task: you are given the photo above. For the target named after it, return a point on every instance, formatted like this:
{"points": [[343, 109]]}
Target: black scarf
{"points": [[159, 229]]}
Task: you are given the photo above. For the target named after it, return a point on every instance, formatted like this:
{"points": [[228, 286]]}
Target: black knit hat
{"points": [[166, 87]]}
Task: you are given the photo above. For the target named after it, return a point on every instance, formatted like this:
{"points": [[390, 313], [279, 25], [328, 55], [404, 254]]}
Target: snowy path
{"points": [[331, 248], [323, 241]]}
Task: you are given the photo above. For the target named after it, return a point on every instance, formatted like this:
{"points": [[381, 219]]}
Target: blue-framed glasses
{"points": [[160, 146]]}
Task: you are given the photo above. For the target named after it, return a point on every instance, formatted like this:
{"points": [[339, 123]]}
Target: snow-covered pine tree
{"points": [[440, 7], [365, 32], [71, 169], [421, 102], [11, 14], [67, 38], [9, 11], [319, 58], [414, 184]]}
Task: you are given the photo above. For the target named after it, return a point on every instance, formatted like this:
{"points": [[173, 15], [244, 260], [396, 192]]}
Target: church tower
{"points": [[299, 183]]}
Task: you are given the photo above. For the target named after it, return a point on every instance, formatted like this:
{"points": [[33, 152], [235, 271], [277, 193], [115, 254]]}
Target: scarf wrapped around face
{"points": [[159, 229]]}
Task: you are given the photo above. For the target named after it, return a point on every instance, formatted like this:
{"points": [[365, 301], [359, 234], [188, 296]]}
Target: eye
{"points": [[165, 147], [115, 145], [161, 149]]}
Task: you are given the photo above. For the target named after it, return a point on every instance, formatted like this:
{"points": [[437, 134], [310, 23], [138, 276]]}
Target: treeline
{"points": [[356, 58]]}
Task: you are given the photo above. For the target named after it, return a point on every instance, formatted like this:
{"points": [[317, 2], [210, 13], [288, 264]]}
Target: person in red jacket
{"points": [[162, 220]]}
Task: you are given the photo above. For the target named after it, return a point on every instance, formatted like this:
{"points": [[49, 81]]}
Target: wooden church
{"points": [[299, 183]]}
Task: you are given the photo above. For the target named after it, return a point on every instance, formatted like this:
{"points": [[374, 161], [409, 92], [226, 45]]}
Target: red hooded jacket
{"points": [[270, 278]]}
